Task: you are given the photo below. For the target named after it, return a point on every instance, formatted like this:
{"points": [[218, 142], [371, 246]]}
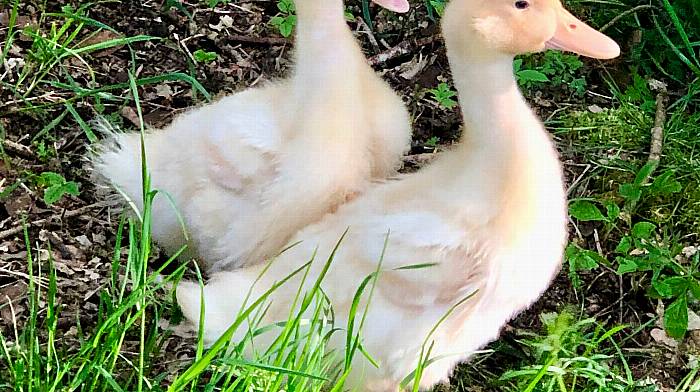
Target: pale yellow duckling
{"points": [[250, 170], [491, 214]]}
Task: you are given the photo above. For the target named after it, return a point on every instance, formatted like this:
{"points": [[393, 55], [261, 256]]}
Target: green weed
{"points": [[554, 69], [285, 20], [60, 38], [444, 95], [203, 56], [435, 7], [55, 187], [641, 209], [573, 356]]}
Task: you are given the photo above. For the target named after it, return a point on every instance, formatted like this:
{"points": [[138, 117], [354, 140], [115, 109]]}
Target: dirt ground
{"points": [[79, 231]]}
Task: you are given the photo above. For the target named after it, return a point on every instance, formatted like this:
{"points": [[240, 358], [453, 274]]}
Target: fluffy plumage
{"points": [[491, 213], [249, 170]]}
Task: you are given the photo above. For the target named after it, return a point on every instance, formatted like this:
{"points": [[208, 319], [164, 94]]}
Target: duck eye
{"points": [[521, 5]]}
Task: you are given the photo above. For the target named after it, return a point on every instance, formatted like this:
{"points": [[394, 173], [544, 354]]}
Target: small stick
{"points": [[258, 40], [368, 31], [19, 149], [70, 214], [622, 15], [657, 133], [402, 48]]}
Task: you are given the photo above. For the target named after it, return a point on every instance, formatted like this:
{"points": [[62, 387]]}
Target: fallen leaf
{"points": [[18, 205], [164, 90], [660, 336], [84, 241], [21, 21], [595, 109], [13, 293], [130, 114], [102, 36], [693, 321]]}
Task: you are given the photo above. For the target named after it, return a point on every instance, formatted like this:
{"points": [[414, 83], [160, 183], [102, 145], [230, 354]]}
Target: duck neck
{"points": [[322, 38], [328, 70], [502, 137], [494, 111]]}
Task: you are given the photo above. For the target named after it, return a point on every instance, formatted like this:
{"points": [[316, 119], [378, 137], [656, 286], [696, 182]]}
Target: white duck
{"points": [[491, 213], [250, 170]]}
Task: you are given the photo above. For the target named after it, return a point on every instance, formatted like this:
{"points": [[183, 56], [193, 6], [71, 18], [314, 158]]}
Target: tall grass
{"points": [[130, 310]]}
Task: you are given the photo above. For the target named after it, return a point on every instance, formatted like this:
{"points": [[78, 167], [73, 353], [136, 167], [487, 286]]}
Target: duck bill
{"points": [[394, 5], [572, 35]]}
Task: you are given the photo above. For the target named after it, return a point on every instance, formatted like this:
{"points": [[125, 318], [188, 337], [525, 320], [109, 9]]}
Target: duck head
{"points": [[490, 27], [393, 5]]}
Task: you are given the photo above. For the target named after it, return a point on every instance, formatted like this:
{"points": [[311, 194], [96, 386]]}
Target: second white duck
{"points": [[248, 171]]}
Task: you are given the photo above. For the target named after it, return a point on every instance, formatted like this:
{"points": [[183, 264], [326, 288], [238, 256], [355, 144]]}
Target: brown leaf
{"points": [[13, 293], [17, 205], [21, 22], [102, 36], [131, 115]]}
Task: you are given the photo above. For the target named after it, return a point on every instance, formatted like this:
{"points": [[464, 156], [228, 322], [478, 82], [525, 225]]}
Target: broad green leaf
{"points": [[612, 209], [662, 288], [624, 246], [643, 230], [517, 64], [584, 210], [644, 173], [530, 75], [549, 319], [71, 188], [626, 265], [53, 194], [676, 318], [51, 178], [580, 259], [286, 6], [276, 20], [694, 288], [288, 25], [666, 184], [678, 285], [203, 56], [631, 192]]}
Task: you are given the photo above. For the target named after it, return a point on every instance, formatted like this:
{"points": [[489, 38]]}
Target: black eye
{"points": [[522, 5]]}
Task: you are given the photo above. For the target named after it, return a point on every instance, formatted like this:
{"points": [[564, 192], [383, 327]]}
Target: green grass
{"points": [[36, 358], [130, 310], [59, 38], [572, 356]]}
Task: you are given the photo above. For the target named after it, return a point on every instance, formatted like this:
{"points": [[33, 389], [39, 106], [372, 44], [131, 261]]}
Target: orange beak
{"points": [[394, 5], [575, 36]]}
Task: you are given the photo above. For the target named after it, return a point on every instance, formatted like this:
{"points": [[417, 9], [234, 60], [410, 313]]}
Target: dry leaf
{"points": [[164, 90], [660, 336], [13, 293], [102, 36], [595, 109]]}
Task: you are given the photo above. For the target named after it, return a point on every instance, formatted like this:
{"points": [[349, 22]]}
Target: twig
{"points": [[420, 159], [578, 180], [70, 214], [624, 14], [657, 133], [401, 49], [258, 40], [19, 149], [368, 31]]}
